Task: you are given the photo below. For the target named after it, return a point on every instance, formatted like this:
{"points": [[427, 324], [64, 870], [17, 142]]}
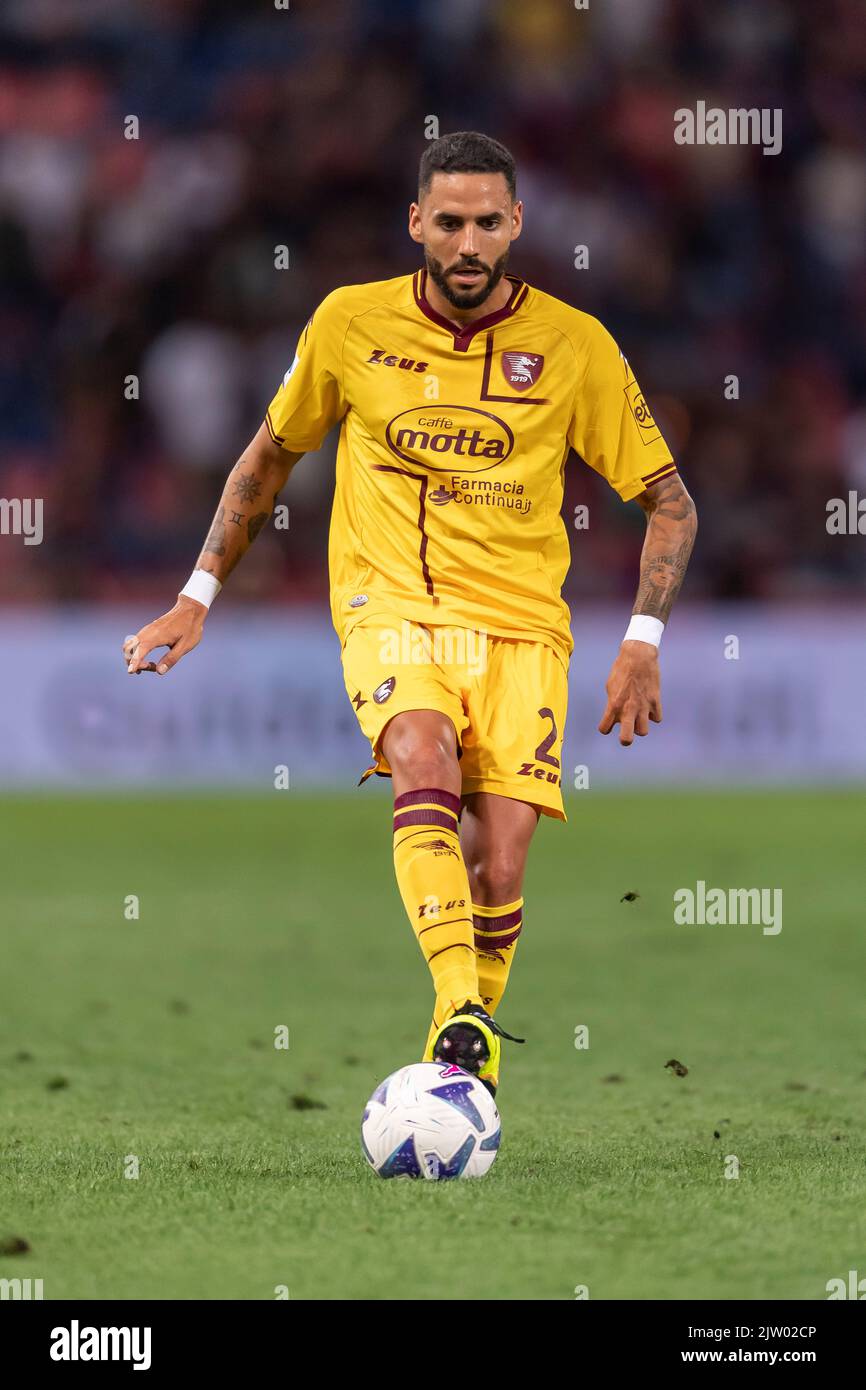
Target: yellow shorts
{"points": [[506, 699]]}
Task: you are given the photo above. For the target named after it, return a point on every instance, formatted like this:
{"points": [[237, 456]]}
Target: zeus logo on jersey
{"points": [[407, 364]]}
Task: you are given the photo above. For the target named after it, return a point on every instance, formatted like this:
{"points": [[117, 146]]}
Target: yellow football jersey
{"points": [[453, 448]]}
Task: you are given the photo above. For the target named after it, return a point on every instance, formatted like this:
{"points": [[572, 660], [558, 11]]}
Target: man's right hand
{"points": [[180, 630]]}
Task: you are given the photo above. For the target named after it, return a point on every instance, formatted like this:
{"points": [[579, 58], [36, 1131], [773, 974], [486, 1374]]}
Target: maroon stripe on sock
{"points": [[496, 943], [426, 817], [429, 794], [493, 924]]}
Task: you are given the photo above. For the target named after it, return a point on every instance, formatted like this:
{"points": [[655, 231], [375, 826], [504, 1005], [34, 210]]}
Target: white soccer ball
{"points": [[433, 1121]]}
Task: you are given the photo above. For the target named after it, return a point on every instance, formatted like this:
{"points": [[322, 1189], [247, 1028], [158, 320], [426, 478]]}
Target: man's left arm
{"points": [[633, 694]]}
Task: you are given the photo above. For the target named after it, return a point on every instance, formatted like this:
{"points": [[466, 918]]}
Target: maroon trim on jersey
{"points": [[422, 518], [514, 399], [271, 431], [659, 473], [463, 336]]}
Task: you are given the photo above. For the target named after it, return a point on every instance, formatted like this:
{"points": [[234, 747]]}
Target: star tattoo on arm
{"points": [[247, 487]]}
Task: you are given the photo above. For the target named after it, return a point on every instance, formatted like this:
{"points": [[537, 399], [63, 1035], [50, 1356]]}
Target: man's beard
{"points": [[466, 299]]}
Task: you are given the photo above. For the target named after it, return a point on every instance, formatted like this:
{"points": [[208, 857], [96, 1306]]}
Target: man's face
{"points": [[466, 224]]}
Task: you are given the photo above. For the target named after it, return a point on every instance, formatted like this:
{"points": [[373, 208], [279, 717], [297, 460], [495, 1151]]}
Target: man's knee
{"points": [[496, 877], [421, 748]]}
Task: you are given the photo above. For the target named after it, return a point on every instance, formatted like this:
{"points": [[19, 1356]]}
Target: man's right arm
{"points": [[246, 504]]}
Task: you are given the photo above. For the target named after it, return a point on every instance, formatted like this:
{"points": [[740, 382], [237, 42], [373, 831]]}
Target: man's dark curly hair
{"points": [[466, 152]]}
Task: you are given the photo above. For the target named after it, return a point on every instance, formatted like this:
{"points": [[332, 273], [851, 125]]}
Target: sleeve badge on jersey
{"points": [[649, 430], [522, 369]]}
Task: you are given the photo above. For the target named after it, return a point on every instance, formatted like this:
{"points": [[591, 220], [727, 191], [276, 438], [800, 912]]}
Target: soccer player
{"points": [[460, 392]]}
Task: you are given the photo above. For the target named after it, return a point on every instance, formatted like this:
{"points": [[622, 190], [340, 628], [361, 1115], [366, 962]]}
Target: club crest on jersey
{"points": [[522, 369], [384, 691]]}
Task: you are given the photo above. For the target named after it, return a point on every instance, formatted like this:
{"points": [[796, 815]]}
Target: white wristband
{"points": [[643, 628], [203, 587]]}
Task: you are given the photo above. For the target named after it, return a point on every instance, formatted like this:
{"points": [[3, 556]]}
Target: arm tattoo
{"points": [[671, 528], [216, 541], [230, 546], [255, 524], [247, 487]]}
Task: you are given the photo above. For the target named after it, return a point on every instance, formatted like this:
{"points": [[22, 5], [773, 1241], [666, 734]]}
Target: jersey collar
{"points": [[463, 336]]}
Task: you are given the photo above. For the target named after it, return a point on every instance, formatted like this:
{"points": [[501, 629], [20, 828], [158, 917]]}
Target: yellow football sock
{"points": [[496, 933], [496, 930], [434, 886]]}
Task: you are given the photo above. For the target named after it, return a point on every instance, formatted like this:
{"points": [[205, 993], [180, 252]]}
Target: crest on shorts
{"points": [[384, 691], [522, 369]]}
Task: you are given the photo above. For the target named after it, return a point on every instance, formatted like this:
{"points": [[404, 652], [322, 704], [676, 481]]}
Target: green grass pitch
{"points": [[155, 1038]]}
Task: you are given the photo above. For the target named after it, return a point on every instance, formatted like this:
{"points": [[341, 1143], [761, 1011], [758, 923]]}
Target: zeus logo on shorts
{"points": [[384, 691], [543, 754], [530, 770]]}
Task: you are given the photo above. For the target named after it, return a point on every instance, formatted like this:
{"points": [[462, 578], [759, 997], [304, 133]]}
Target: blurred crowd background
{"points": [[261, 126]]}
